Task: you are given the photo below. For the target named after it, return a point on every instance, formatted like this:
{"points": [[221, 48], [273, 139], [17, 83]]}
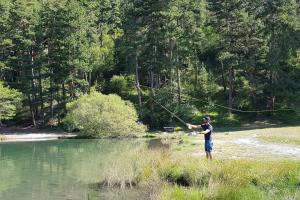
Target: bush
{"points": [[101, 116], [9, 98]]}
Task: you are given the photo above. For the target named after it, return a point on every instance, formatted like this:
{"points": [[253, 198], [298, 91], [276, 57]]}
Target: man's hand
{"points": [[189, 126]]}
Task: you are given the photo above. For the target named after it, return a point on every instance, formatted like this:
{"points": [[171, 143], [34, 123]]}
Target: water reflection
{"points": [[62, 169]]}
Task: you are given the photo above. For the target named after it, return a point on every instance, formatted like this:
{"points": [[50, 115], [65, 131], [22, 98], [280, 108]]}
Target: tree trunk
{"points": [[178, 86], [152, 89], [273, 90], [33, 87], [90, 79], [178, 79], [34, 97], [64, 97], [137, 83], [59, 104], [230, 92], [41, 97], [273, 103], [223, 77], [31, 110], [51, 96], [171, 65], [196, 78]]}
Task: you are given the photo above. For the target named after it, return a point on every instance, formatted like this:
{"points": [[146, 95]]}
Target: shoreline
{"points": [[31, 134], [34, 137]]}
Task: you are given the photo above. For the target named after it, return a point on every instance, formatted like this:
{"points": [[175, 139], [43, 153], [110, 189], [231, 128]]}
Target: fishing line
{"points": [[234, 109], [172, 113]]}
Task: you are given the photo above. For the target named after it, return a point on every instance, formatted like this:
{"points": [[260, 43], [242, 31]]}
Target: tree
{"points": [[282, 22], [5, 41], [23, 50], [9, 98]]}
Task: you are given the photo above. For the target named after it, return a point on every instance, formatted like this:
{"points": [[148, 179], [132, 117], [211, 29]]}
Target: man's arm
{"points": [[205, 132], [190, 126]]}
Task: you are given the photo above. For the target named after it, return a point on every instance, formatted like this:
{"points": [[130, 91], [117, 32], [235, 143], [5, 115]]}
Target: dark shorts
{"points": [[208, 145]]}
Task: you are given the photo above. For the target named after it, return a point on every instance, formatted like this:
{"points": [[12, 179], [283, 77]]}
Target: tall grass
{"points": [[173, 176], [232, 179], [136, 168]]}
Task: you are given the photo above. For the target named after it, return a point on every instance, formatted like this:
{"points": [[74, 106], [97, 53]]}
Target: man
{"points": [[207, 131]]}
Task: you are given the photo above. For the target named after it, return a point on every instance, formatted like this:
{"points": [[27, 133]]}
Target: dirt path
{"points": [[247, 144], [275, 149]]}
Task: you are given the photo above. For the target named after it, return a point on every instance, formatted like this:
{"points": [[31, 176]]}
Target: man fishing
{"points": [[207, 131]]}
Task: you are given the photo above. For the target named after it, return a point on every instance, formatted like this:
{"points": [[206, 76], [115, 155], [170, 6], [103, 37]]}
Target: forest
{"points": [[235, 60]]}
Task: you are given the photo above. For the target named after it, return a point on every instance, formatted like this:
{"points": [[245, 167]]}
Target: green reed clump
{"points": [[185, 171], [233, 179], [137, 167]]}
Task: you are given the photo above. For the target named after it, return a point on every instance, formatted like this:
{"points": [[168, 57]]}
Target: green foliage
{"points": [[240, 54], [9, 98], [101, 115], [121, 85]]}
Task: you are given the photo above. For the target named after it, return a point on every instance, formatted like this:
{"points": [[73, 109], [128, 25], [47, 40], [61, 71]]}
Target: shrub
{"points": [[9, 98], [101, 116]]}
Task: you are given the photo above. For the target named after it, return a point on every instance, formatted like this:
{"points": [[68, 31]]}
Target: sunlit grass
{"points": [[285, 135]]}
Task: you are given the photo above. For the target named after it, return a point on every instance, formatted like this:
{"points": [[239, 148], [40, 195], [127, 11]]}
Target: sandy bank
{"points": [[31, 134]]}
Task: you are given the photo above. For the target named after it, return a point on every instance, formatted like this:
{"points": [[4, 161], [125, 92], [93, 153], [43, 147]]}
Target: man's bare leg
{"points": [[209, 156]]}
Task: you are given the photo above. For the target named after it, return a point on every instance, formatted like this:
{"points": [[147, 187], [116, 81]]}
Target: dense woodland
{"points": [[222, 58]]}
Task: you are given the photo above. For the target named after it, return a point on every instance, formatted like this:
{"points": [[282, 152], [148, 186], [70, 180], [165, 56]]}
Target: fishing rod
{"points": [[172, 113]]}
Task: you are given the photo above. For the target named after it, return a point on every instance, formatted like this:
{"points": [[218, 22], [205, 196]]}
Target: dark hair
{"points": [[206, 118]]}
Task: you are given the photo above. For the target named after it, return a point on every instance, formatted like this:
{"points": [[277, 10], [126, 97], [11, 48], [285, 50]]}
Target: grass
{"points": [[285, 135], [228, 146], [191, 178], [235, 179], [136, 168], [176, 173]]}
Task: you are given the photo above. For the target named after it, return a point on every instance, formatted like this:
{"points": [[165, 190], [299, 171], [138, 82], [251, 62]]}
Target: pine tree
{"points": [[5, 41], [22, 23]]}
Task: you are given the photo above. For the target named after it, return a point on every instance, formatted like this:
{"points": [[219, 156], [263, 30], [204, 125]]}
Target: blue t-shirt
{"points": [[207, 136]]}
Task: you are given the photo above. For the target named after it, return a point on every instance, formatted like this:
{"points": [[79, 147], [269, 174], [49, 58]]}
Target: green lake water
{"points": [[63, 169]]}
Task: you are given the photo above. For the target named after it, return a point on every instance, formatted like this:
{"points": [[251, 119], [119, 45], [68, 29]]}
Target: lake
{"points": [[63, 169]]}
